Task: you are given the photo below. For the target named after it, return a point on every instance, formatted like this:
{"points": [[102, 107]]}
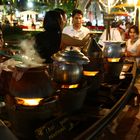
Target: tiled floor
{"points": [[127, 124]]}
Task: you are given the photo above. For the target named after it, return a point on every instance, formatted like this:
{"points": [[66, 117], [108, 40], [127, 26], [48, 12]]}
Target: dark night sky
{"points": [[0, 2]]}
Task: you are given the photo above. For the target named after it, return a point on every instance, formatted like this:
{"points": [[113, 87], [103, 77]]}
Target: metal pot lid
{"points": [[70, 56]]}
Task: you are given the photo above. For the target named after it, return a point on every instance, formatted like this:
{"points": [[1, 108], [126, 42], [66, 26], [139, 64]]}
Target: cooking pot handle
{"points": [[49, 71]]}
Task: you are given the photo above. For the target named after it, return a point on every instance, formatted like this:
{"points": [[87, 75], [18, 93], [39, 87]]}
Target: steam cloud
{"points": [[28, 54]]}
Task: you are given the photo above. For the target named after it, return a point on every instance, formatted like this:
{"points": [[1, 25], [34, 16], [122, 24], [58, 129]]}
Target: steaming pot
{"points": [[30, 82]]}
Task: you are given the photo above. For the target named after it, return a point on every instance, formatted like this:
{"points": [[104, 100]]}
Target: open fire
{"points": [[90, 73], [28, 101], [70, 86], [113, 59]]}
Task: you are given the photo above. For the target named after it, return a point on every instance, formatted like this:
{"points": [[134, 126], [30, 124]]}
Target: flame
{"points": [[90, 73], [28, 101], [70, 86], [113, 59]]}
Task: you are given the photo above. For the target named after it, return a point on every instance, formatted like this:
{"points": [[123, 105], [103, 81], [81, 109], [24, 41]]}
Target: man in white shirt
{"points": [[76, 30]]}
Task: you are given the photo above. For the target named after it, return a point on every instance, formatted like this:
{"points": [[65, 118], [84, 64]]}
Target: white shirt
{"points": [[79, 34], [133, 48], [114, 34]]}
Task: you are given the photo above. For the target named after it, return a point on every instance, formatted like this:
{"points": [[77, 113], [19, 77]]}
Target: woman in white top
{"points": [[133, 44]]}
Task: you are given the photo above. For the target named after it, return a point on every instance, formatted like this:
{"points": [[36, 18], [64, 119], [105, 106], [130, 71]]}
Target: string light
{"points": [[108, 3], [130, 2]]}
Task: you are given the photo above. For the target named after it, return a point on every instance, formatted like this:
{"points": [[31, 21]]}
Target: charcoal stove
{"points": [[72, 97], [112, 69], [84, 123], [91, 119], [26, 118], [68, 72], [31, 100], [53, 115]]}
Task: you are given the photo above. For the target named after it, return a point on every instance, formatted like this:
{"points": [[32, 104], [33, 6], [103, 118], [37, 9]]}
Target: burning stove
{"points": [[31, 100], [66, 115], [93, 73], [68, 72], [28, 114], [29, 110], [112, 69], [72, 97]]}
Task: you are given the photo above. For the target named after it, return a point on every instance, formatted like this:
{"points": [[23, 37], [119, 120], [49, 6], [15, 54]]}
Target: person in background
{"points": [[133, 44], [52, 40], [114, 34], [76, 30], [121, 29], [127, 26], [66, 40]]}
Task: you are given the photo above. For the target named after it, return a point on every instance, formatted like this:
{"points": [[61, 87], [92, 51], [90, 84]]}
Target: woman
{"points": [[133, 44], [52, 40]]}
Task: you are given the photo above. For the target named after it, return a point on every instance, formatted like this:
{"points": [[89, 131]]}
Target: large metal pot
{"points": [[67, 73], [113, 49], [30, 82], [67, 66]]}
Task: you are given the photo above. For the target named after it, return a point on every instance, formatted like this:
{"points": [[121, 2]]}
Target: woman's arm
{"points": [[67, 40]]}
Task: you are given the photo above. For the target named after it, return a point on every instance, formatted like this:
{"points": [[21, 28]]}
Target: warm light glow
{"points": [[113, 59], [30, 4], [132, 1], [70, 86], [28, 102], [109, 4], [90, 73]]}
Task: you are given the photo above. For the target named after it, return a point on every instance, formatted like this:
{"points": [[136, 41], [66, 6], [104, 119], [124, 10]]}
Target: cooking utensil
{"points": [[70, 56], [67, 66], [67, 73], [113, 49]]}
